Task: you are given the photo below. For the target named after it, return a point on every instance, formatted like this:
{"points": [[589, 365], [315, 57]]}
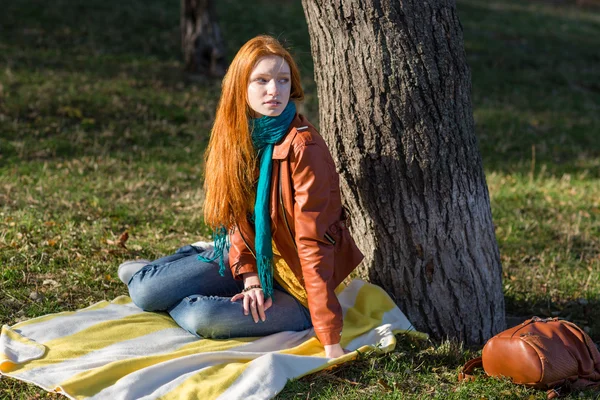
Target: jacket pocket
{"points": [[334, 234], [329, 238], [346, 254]]}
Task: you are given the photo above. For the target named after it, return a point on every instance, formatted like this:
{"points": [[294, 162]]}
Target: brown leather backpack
{"points": [[549, 354]]}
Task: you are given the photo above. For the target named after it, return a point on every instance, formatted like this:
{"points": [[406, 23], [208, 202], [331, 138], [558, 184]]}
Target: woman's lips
{"points": [[272, 103]]}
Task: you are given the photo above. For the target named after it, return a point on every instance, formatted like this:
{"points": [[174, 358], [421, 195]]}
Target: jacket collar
{"points": [[281, 149]]}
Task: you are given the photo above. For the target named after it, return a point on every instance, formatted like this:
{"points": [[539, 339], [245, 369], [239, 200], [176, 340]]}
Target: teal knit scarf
{"points": [[266, 132]]}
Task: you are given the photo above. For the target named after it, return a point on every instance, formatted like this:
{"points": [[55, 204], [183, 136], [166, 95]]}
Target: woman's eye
{"points": [[284, 80]]}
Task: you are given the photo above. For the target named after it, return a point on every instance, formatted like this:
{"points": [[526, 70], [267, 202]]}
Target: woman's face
{"points": [[269, 86]]}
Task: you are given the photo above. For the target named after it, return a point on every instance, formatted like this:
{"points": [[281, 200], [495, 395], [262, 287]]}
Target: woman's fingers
{"points": [[253, 308], [254, 303], [260, 305], [246, 303], [237, 297]]}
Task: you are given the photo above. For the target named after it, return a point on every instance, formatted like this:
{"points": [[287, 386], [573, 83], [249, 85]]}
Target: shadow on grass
{"points": [[535, 85], [57, 34], [105, 79], [407, 369], [536, 91], [105, 39]]}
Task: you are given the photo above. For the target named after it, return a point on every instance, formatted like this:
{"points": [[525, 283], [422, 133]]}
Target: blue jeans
{"points": [[198, 298]]}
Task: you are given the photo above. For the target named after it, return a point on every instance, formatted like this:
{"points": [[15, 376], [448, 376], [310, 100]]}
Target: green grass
{"points": [[101, 133]]}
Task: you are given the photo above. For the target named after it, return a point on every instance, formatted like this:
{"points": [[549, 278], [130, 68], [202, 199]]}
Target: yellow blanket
{"points": [[114, 350]]}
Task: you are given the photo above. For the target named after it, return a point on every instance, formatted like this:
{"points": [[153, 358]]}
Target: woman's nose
{"points": [[272, 88]]}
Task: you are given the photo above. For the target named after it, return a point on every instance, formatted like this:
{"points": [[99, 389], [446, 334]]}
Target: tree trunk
{"points": [[202, 45], [395, 109]]}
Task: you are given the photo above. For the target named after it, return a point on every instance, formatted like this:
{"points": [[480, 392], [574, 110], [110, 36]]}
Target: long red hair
{"points": [[230, 157]]}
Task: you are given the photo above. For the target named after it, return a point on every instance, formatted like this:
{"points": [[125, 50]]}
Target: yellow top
{"points": [[287, 279]]}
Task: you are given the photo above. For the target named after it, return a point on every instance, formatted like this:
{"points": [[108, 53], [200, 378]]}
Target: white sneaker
{"points": [[129, 268], [204, 245]]}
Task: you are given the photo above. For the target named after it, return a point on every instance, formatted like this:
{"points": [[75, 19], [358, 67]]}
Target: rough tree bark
{"points": [[201, 41], [395, 108]]}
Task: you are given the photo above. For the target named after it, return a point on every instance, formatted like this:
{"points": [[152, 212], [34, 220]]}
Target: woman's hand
{"points": [[334, 350], [254, 299]]}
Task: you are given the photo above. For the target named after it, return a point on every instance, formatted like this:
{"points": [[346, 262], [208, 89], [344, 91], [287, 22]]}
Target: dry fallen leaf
{"points": [[123, 238], [51, 282], [385, 385], [36, 296]]}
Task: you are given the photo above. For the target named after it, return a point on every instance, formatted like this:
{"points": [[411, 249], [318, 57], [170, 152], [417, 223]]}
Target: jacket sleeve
{"points": [[241, 259], [312, 174]]}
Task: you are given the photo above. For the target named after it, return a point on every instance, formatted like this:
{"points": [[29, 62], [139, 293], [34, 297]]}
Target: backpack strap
{"points": [[466, 372]]}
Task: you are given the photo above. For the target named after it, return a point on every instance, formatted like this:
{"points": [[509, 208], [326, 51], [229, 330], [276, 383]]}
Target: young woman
{"points": [[271, 184]]}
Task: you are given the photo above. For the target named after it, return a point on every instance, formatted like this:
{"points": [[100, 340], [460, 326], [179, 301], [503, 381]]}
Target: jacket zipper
{"points": [[246, 242], [283, 210]]}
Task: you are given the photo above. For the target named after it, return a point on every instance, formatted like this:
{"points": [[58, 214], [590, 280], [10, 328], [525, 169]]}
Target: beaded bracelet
{"points": [[251, 287]]}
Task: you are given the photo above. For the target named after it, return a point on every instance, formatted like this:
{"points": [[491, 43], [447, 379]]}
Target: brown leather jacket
{"points": [[307, 225]]}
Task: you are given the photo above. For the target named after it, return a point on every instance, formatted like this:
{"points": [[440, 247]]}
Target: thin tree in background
{"points": [[394, 93], [202, 44]]}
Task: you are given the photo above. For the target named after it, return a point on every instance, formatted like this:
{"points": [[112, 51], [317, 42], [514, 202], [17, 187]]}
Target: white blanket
{"points": [[114, 350]]}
